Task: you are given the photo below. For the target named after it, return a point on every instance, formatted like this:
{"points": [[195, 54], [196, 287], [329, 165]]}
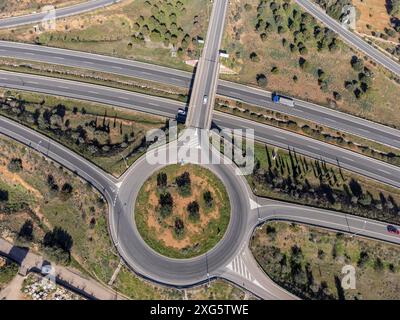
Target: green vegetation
{"points": [[308, 262], [8, 271], [164, 32], [109, 137], [177, 216], [278, 46]]}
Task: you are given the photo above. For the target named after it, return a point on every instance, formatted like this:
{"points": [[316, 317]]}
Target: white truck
{"points": [[276, 98]]}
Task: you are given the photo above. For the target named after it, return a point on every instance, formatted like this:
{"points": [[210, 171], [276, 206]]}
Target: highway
{"points": [[355, 162], [350, 37], [304, 110], [59, 13], [204, 89]]}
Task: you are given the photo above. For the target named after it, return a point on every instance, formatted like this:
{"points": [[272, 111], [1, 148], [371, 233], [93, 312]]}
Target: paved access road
{"points": [[305, 110], [203, 93], [350, 37], [355, 162], [59, 13]]}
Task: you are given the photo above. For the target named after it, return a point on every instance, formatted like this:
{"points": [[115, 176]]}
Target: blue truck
{"points": [[277, 98]]}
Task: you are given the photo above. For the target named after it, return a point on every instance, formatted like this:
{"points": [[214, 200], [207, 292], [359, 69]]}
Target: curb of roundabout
{"points": [[148, 263]]}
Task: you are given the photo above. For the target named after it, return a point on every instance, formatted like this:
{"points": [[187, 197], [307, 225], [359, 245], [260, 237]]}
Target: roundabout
{"points": [[149, 263]]}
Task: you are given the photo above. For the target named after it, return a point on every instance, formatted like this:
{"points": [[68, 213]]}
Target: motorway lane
{"points": [[314, 113], [96, 62], [355, 162], [59, 13], [305, 110], [95, 93], [369, 167], [350, 37]]}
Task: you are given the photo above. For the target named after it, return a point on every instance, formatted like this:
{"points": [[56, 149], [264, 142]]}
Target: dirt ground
{"points": [[165, 229], [373, 13]]}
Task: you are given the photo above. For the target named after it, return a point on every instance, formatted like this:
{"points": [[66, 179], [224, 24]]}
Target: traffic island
{"points": [[182, 211]]}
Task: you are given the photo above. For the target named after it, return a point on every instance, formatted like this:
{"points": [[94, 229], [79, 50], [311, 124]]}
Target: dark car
{"points": [[393, 229]]}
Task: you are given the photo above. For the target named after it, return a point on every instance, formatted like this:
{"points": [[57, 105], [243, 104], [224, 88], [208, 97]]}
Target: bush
{"points": [[166, 203], [184, 183], [193, 209], [208, 199], [162, 180], [262, 80], [15, 165]]}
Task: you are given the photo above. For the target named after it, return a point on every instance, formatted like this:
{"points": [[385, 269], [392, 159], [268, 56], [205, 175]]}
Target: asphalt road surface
{"points": [[205, 82], [59, 13], [305, 110], [350, 37]]}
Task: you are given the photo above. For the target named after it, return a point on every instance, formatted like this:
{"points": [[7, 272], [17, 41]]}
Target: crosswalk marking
{"points": [[238, 266]]}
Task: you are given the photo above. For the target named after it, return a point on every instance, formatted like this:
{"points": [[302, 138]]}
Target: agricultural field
{"points": [[285, 175], [182, 211], [163, 32], [277, 46], [111, 138], [308, 262]]}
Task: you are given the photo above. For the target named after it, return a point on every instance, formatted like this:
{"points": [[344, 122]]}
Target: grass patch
{"points": [[308, 262], [157, 223]]}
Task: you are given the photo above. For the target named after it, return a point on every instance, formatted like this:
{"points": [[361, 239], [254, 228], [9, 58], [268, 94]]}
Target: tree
{"points": [[254, 57], [208, 199], [15, 165], [184, 183], [66, 190], [179, 226], [193, 209], [357, 64], [262, 80], [166, 203], [162, 180], [58, 238], [4, 195], [26, 231]]}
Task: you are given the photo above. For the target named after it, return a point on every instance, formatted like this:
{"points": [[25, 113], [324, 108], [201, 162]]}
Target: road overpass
{"points": [[204, 88]]}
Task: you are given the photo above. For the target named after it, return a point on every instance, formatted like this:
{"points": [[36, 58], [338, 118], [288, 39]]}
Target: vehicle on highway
{"points": [[205, 99], [393, 229], [277, 98], [181, 115]]}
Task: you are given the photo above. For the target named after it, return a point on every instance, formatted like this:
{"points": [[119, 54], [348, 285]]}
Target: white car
{"points": [[205, 99]]}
